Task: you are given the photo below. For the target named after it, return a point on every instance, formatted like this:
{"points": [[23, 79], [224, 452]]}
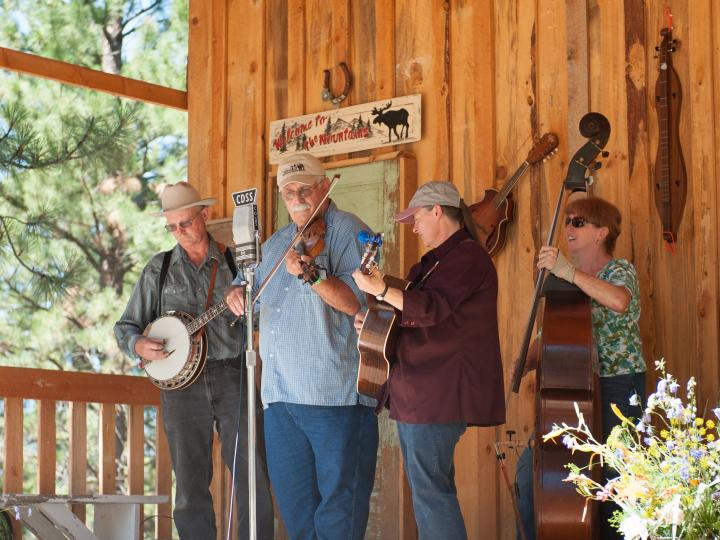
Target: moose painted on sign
{"points": [[392, 119]]}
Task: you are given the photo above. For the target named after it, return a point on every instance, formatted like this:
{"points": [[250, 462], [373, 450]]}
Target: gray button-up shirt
{"points": [[185, 289]]}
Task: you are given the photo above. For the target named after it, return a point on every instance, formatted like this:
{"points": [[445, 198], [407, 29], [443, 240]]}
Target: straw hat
{"points": [[180, 196]]}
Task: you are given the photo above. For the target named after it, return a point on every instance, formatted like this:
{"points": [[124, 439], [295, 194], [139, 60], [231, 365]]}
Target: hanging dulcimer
{"points": [[670, 182]]}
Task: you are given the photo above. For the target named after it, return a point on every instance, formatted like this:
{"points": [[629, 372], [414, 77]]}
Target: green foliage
{"points": [[78, 170]]}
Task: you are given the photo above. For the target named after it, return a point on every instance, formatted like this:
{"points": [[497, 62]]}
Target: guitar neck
{"points": [[509, 185], [206, 317]]}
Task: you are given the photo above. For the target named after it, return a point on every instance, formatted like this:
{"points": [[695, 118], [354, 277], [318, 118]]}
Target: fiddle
{"points": [[313, 241]]}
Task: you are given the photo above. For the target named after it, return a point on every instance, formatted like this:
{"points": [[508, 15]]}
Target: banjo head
{"points": [[178, 341]]}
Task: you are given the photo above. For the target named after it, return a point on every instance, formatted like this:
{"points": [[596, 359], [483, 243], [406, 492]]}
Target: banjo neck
{"points": [[206, 317]]}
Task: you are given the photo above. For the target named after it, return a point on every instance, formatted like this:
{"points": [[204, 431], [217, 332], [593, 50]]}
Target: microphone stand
{"points": [[250, 363]]}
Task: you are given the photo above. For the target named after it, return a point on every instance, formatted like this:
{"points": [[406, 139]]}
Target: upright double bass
{"points": [[567, 372]]}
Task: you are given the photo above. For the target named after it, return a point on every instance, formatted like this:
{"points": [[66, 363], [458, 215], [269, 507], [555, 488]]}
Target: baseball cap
{"points": [[303, 168], [442, 192]]}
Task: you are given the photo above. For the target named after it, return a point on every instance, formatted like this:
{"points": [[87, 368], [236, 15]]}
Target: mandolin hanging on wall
{"points": [[670, 181]]}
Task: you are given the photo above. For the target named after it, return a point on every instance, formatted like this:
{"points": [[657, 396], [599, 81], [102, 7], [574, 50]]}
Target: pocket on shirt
{"points": [[175, 298]]}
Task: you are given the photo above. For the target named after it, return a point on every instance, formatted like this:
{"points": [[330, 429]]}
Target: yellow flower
{"points": [[619, 414], [699, 421], [710, 437], [710, 424], [664, 434]]}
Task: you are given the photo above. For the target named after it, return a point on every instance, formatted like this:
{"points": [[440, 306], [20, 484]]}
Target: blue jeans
{"points": [[525, 495], [189, 414], [322, 467], [618, 390], [428, 451]]}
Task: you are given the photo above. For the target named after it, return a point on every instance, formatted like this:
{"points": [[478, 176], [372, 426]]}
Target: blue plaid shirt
{"points": [[308, 349]]}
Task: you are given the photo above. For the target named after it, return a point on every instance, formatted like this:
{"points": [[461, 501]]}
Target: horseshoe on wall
{"points": [[327, 94]]}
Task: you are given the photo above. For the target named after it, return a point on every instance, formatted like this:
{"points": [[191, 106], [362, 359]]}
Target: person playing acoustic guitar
{"points": [[215, 399], [448, 374]]}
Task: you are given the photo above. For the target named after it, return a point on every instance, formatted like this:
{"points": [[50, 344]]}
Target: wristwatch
{"points": [[321, 275], [380, 297]]}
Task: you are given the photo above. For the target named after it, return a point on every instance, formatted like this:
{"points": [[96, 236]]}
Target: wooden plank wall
{"points": [[493, 74]]}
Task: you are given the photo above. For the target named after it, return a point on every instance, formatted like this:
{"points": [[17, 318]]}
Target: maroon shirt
{"points": [[449, 367]]}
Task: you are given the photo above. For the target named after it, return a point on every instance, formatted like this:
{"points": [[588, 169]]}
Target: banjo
{"points": [[187, 345]]}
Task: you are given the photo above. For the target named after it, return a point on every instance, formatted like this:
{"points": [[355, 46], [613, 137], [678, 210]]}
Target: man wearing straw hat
{"points": [[215, 398]]}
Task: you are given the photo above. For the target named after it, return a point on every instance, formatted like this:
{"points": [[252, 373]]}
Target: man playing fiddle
{"points": [[321, 437]]}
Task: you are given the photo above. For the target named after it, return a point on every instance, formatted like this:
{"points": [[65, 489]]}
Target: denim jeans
{"points": [[215, 399], [322, 467], [616, 389], [428, 451], [525, 495]]}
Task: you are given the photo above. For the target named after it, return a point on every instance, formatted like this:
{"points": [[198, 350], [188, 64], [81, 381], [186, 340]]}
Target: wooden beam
{"points": [[47, 453], [73, 386], [578, 79], [117, 85], [106, 460], [78, 454]]}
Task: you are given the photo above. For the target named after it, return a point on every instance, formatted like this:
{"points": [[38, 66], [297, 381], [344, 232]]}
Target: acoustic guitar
{"points": [[378, 335], [493, 213]]}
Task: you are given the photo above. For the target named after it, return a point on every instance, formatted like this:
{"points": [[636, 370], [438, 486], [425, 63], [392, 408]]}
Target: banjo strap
{"points": [[213, 273], [166, 265]]}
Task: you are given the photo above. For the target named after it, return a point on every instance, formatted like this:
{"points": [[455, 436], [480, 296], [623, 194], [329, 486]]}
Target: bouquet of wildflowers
{"points": [[665, 466]]}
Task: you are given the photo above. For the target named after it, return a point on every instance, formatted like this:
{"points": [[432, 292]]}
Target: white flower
{"points": [[634, 400], [633, 528]]}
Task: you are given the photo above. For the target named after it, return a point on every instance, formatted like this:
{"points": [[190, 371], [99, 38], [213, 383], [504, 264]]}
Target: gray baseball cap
{"points": [[442, 192]]}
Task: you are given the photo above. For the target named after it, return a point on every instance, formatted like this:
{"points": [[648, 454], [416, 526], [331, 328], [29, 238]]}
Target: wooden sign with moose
{"points": [[349, 129]]}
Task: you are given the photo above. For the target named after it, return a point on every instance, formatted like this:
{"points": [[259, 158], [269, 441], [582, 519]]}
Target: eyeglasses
{"points": [[186, 224], [577, 222], [301, 193]]}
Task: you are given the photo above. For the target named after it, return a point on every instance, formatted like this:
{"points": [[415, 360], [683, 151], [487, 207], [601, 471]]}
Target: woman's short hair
{"points": [[601, 213]]}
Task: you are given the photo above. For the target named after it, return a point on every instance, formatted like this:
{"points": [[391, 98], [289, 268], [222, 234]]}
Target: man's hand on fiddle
{"points": [[150, 349], [235, 299], [293, 262], [372, 283]]}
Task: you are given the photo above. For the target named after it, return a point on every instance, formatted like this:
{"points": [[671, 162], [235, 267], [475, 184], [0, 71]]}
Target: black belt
{"points": [[237, 362]]}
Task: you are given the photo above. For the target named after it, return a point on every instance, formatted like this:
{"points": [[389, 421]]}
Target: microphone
{"points": [[246, 235]]}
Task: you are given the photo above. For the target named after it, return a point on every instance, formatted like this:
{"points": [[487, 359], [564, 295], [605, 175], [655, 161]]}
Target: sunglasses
{"points": [[301, 193], [577, 222], [186, 224]]}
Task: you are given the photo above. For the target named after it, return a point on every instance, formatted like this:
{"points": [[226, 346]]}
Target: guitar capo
{"points": [[327, 94]]}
